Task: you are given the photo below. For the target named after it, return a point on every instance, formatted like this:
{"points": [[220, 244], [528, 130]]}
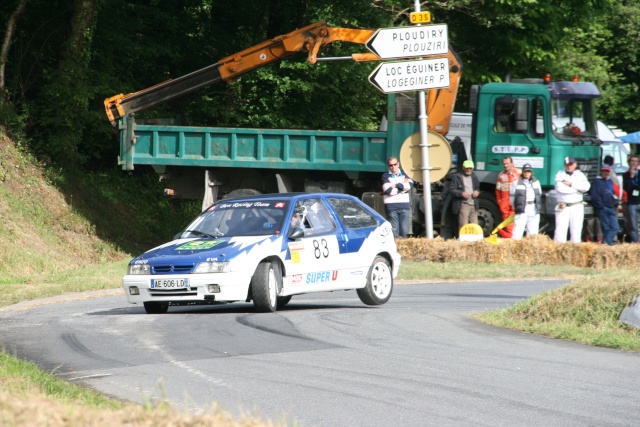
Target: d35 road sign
{"points": [[409, 42], [407, 76]]}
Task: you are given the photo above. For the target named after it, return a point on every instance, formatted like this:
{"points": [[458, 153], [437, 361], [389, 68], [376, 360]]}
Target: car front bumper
{"points": [[233, 286]]}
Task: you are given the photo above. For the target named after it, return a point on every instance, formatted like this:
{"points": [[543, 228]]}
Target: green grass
{"points": [[469, 270], [26, 378], [586, 311], [95, 277]]}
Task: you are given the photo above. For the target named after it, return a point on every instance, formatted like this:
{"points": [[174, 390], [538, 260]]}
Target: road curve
{"points": [[327, 359]]}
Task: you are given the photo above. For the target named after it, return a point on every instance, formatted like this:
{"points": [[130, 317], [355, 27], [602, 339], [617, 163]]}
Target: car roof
{"points": [[286, 196]]}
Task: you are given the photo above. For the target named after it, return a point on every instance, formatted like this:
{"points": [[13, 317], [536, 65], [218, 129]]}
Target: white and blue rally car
{"points": [[267, 248]]}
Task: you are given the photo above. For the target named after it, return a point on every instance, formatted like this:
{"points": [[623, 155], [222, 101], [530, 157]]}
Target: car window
{"points": [[314, 217], [239, 219], [352, 214]]}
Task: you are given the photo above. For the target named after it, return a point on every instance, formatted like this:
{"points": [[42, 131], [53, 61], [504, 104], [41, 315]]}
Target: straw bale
{"points": [[534, 250]]}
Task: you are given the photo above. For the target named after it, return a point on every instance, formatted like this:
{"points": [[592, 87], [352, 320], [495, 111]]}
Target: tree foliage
{"points": [[65, 57]]}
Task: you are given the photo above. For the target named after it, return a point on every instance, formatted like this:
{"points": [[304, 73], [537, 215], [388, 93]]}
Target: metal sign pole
{"points": [[424, 151]]}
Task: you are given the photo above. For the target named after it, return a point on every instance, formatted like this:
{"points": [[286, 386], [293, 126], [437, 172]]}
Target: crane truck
{"points": [[522, 119]]}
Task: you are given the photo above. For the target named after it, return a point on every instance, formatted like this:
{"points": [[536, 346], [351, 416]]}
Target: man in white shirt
{"points": [[570, 185]]}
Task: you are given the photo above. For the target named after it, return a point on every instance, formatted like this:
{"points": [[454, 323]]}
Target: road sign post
{"points": [[391, 77]]}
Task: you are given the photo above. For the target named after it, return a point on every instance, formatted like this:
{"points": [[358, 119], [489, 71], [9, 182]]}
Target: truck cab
{"points": [[535, 122]]}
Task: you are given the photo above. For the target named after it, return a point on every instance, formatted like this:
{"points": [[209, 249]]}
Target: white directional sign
{"points": [[409, 42], [407, 76]]}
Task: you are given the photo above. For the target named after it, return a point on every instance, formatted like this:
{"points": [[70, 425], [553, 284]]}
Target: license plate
{"points": [[169, 283]]}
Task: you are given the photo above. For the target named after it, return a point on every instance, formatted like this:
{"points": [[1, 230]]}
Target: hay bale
{"points": [[534, 250]]}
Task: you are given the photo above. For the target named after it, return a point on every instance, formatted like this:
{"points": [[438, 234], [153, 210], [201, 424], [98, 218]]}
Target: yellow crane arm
{"points": [[440, 102], [308, 39]]}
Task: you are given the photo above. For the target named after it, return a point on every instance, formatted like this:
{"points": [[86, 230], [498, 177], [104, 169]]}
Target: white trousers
{"points": [[529, 220], [570, 218]]}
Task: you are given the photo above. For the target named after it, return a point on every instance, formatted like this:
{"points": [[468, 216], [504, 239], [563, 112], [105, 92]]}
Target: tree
{"points": [[11, 25], [64, 97]]}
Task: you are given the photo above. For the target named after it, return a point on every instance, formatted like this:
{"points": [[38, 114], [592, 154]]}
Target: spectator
{"points": [[570, 185], [506, 182], [608, 160], [593, 229], [395, 189], [631, 186], [603, 197], [526, 199], [465, 189]]}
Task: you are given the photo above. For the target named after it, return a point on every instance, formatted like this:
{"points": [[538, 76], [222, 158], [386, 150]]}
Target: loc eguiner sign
{"points": [[407, 76]]}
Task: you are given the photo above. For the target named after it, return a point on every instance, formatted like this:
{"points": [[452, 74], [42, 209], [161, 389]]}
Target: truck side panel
{"points": [[253, 148]]}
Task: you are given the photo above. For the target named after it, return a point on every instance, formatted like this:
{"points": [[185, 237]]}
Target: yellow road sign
{"points": [[420, 17]]}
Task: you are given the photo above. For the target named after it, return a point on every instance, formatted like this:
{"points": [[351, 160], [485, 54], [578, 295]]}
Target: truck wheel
{"points": [[156, 307], [489, 215], [379, 283], [264, 287]]}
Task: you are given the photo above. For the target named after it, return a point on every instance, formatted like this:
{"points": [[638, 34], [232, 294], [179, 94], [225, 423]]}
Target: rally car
{"points": [[266, 249]]}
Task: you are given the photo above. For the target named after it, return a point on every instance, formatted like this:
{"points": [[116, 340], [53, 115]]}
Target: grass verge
{"points": [[585, 311], [471, 270]]}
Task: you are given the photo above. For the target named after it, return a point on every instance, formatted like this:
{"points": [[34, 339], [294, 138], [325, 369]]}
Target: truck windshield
{"points": [[573, 117]]}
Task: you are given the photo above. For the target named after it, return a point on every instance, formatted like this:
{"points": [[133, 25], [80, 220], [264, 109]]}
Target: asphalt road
{"points": [[327, 359]]}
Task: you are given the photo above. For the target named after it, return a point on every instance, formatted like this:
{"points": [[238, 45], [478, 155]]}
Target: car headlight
{"points": [[213, 267], [139, 269]]}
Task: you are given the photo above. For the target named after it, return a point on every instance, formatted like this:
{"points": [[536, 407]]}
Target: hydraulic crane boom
{"points": [[310, 39]]}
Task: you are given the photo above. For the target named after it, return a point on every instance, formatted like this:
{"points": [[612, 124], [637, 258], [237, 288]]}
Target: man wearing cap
{"points": [[570, 185], [465, 189], [526, 199], [506, 181], [603, 198]]}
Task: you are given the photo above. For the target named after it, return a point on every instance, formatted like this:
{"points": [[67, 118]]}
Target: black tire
{"points": [[489, 215], [264, 287], [282, 301], [379, 283], [156, 307]]}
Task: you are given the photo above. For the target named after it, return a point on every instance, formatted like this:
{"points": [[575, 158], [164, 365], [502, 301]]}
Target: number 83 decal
{"points": [[320, 249]]}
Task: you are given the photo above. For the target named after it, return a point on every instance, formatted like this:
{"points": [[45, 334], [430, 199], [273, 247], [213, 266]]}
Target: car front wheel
{"points": [[379, 283], [264, 287]]}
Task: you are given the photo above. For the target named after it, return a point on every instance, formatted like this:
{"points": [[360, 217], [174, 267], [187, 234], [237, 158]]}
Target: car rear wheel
{"points": [[379, 283], [264, 287], [156, 307]]}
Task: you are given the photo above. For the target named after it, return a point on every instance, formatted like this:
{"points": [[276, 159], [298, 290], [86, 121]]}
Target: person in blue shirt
{"points": [[631, 186], [603, 198], [397, 203]]}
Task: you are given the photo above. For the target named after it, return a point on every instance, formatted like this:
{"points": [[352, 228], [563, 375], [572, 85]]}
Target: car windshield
{"points": [[250, 218]]}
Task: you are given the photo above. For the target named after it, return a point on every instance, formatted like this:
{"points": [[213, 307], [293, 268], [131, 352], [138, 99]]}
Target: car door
{"points": [[313, 260], [362, 236]]}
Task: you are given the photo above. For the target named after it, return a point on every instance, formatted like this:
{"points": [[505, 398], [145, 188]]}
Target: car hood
{"points": [[187, 251]]}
